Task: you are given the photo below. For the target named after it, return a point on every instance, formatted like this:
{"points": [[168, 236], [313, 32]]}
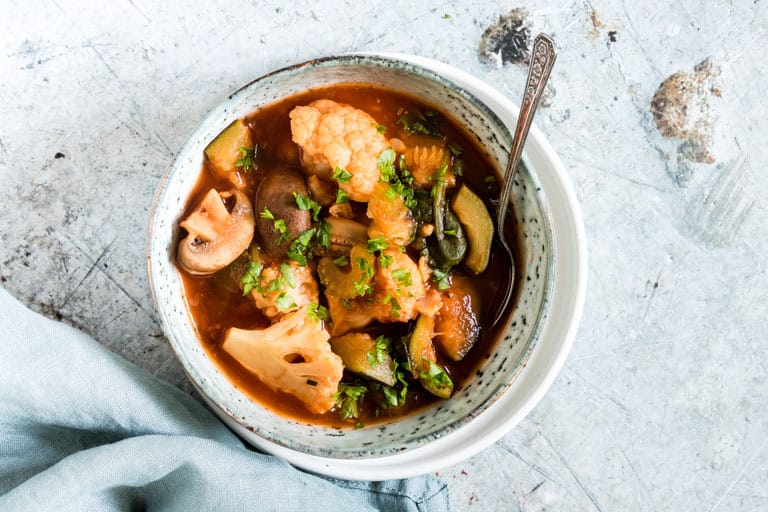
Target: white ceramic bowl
{"points": [[526, 359]]}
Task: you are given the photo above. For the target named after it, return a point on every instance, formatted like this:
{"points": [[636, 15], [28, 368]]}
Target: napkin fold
{"points": [[82, 429]]}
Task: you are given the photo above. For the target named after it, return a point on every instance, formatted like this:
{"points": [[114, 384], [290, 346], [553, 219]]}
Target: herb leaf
{"points": [[341, 197], [306, 203], [341, 175], [443, 279], [378, 354], [250, 279], [377, 244], [403, 276], [266, 214], [341, 261], [247, 156], [436, 375], [284, 302], [317, 312], [347, 398]]}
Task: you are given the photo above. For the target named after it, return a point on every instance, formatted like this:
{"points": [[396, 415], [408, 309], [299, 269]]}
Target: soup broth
{"points": [[217, 302]]}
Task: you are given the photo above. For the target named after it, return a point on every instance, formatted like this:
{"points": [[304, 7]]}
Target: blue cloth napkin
{"points": [[82, 429]]}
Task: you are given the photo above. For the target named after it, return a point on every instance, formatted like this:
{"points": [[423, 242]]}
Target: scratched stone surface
{"points": [[657, 109]]}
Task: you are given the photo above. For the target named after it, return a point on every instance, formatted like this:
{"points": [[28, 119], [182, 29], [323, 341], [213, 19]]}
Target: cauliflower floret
{"points": [[398, 288], [284, 288], [391, 218], [292, 355], [335, 135]]}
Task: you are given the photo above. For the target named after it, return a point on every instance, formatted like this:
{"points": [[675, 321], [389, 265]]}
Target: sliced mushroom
{"points": [[219, 230], [345, 233]]}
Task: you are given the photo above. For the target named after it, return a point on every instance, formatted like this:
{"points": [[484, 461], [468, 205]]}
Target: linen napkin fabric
{"points": [[82, 429]]}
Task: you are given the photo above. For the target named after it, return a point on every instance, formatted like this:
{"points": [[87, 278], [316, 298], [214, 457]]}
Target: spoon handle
{"points": [[543, 58]]}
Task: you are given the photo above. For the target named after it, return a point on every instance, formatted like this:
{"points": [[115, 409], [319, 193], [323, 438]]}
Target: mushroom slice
{"points": [[219, 230]]}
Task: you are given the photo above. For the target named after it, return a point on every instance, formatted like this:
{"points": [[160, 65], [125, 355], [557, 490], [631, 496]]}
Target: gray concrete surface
{"points": [[663, 403]]}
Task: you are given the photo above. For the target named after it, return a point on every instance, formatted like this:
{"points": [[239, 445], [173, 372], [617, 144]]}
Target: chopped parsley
{"points": [[341, 261], [381, 128], [284, 302], [341, 197], [347, 398], [247, 156], [378, 355], [398, 185], [436, 375], [443, 279], [324, 234], [287, 272], [250, 279], [282, 228], [297, 251], [306, 203], [317, 312], [458, 167], [385, 260], [426, 123], [388, 299], [341, 175], [455, 149], [266, 214], [386, 164], [377, 244], [403, 276], [363, 285]]}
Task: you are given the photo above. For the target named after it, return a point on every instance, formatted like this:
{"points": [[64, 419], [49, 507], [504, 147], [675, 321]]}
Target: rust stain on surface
{"points": [[680, 108]]}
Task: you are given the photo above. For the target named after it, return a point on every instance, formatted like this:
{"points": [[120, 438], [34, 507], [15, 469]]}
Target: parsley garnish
{"points": [[443, 279], [282, 228], [266, 214], [247, 156], [347, 398], [341, 175], [386, 164], [436, 375], [377, 244], [381, 128], [385, 260], [363, 286], [427, 123], [403, 276], [287, 272], [250, 279], [284, 302], [341, 197], [306, 203], [458, 167], [297, 251], [324, 234], [378, 354], [341, 261], [455, 149], [388, 299], [317, 312]]}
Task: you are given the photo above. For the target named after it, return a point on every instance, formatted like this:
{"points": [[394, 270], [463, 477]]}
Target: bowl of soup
{"points": [[325, 262]]}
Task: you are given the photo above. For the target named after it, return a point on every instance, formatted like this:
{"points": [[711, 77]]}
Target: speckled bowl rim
{"points": [[403, 62]]}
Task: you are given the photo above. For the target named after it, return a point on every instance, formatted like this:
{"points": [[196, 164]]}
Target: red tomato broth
{"points": [[216, 301]]}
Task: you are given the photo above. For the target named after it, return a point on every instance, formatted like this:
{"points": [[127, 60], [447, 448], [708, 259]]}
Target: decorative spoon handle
{"points": [[542, 59]]}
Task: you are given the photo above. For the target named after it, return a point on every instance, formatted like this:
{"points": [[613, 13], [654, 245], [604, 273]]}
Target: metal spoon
{"points": [[543, 57]]}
